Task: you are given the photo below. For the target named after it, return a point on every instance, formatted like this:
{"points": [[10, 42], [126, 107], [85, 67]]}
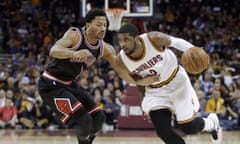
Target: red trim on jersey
{"points": [[76, 106], [65, 118], [94, 109], [50, 76]]}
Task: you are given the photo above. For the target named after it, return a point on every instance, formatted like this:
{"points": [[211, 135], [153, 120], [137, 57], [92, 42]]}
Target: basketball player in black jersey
{"points": [[78, 49]]}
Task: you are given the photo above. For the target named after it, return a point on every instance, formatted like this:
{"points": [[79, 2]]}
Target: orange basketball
{"points": [[195, 60]]}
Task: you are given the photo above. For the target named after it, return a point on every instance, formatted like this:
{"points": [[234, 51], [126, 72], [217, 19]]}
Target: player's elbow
{"points": [[51, 53]]}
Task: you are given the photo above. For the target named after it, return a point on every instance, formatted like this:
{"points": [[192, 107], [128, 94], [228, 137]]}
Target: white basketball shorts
{"points": [[178, 96]]}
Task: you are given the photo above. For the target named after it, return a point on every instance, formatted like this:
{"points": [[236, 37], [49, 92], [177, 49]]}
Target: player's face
{"points": [[127, 43], [98, 27]]}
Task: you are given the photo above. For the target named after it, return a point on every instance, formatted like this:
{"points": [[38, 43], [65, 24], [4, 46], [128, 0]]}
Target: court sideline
{"points": [[115, 137]]}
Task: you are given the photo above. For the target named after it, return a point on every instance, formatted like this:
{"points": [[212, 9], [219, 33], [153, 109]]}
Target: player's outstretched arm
{"points": [[160, 39], [111, 56]]}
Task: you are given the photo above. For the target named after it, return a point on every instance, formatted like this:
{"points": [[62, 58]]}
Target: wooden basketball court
{"points": [[114, 137]]}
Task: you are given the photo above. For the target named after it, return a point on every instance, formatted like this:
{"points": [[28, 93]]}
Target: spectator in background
{"points": [[215, 103], [25, 111], [97, 94], [232, 105], [225, 74], [2, 97], [201, 96], [10, 94], [111, 111], [42, 113], [11, 84], [3, 76], [119, 97], [207, 81], [237, 81], [8, 115]]}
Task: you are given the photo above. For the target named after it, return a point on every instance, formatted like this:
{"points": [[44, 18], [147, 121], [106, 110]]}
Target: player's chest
{"points": [[151, 64]]}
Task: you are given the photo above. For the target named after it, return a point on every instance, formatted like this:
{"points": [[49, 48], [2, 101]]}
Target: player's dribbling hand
{"points": [[82, 53], [148, 80]]}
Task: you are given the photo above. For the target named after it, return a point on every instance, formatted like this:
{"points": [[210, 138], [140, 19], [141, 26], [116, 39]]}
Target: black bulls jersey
{"points": [[72, 68]]}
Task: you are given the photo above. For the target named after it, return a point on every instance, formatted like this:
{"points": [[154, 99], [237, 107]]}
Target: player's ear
{"points": [[87, 25], [137, 38]]}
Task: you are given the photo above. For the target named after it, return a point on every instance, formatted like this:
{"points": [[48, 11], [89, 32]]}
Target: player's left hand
{"points": [[82, 53]]}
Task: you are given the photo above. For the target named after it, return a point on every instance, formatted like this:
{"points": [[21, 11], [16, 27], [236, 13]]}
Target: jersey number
{"points": [[64, 106], [152, 72]]}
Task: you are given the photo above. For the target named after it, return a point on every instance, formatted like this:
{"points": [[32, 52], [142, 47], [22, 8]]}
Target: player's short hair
{"points": [[129, 28], [93, 13]]}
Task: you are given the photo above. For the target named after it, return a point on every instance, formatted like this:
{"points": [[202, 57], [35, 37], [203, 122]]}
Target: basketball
{"points": [[195, 60]]}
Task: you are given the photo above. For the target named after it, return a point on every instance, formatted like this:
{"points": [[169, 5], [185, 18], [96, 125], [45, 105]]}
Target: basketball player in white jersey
{"points": [[148, 54]]}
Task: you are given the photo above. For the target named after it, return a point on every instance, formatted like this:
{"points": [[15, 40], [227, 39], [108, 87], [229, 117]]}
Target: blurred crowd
{"points": [[28, 29]]}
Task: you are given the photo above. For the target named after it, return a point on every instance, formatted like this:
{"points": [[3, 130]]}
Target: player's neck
{"points": [[91, 40]]}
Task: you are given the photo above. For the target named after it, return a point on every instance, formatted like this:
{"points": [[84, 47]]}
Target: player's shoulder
{"points": [[107, 45], [72, 31], [157, 34], [72, 28], [74, 35], [159, 38]]}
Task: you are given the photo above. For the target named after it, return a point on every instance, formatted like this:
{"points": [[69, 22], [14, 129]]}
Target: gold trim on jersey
{"points": [[170, 78], [188, 120], [161, 49]]}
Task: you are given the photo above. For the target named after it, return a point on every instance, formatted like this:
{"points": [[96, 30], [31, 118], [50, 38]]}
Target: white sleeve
{"points": [[180, 44]]}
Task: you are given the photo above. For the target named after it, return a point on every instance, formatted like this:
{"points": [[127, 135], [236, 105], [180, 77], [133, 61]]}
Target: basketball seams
{"points": [[204, 58], [200, 54], [195, 60]]}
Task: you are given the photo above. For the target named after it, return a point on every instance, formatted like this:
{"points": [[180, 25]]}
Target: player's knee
{"points": [[192, 127], [100, 116], [81, 116], [82, 122], [98, 120]]}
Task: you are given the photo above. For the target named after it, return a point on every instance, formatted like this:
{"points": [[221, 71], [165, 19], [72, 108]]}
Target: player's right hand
{"points": [[82, 53]]}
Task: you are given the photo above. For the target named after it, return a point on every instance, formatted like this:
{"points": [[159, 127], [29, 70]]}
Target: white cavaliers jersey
{"points": [[155, 61], [173, 91]]}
